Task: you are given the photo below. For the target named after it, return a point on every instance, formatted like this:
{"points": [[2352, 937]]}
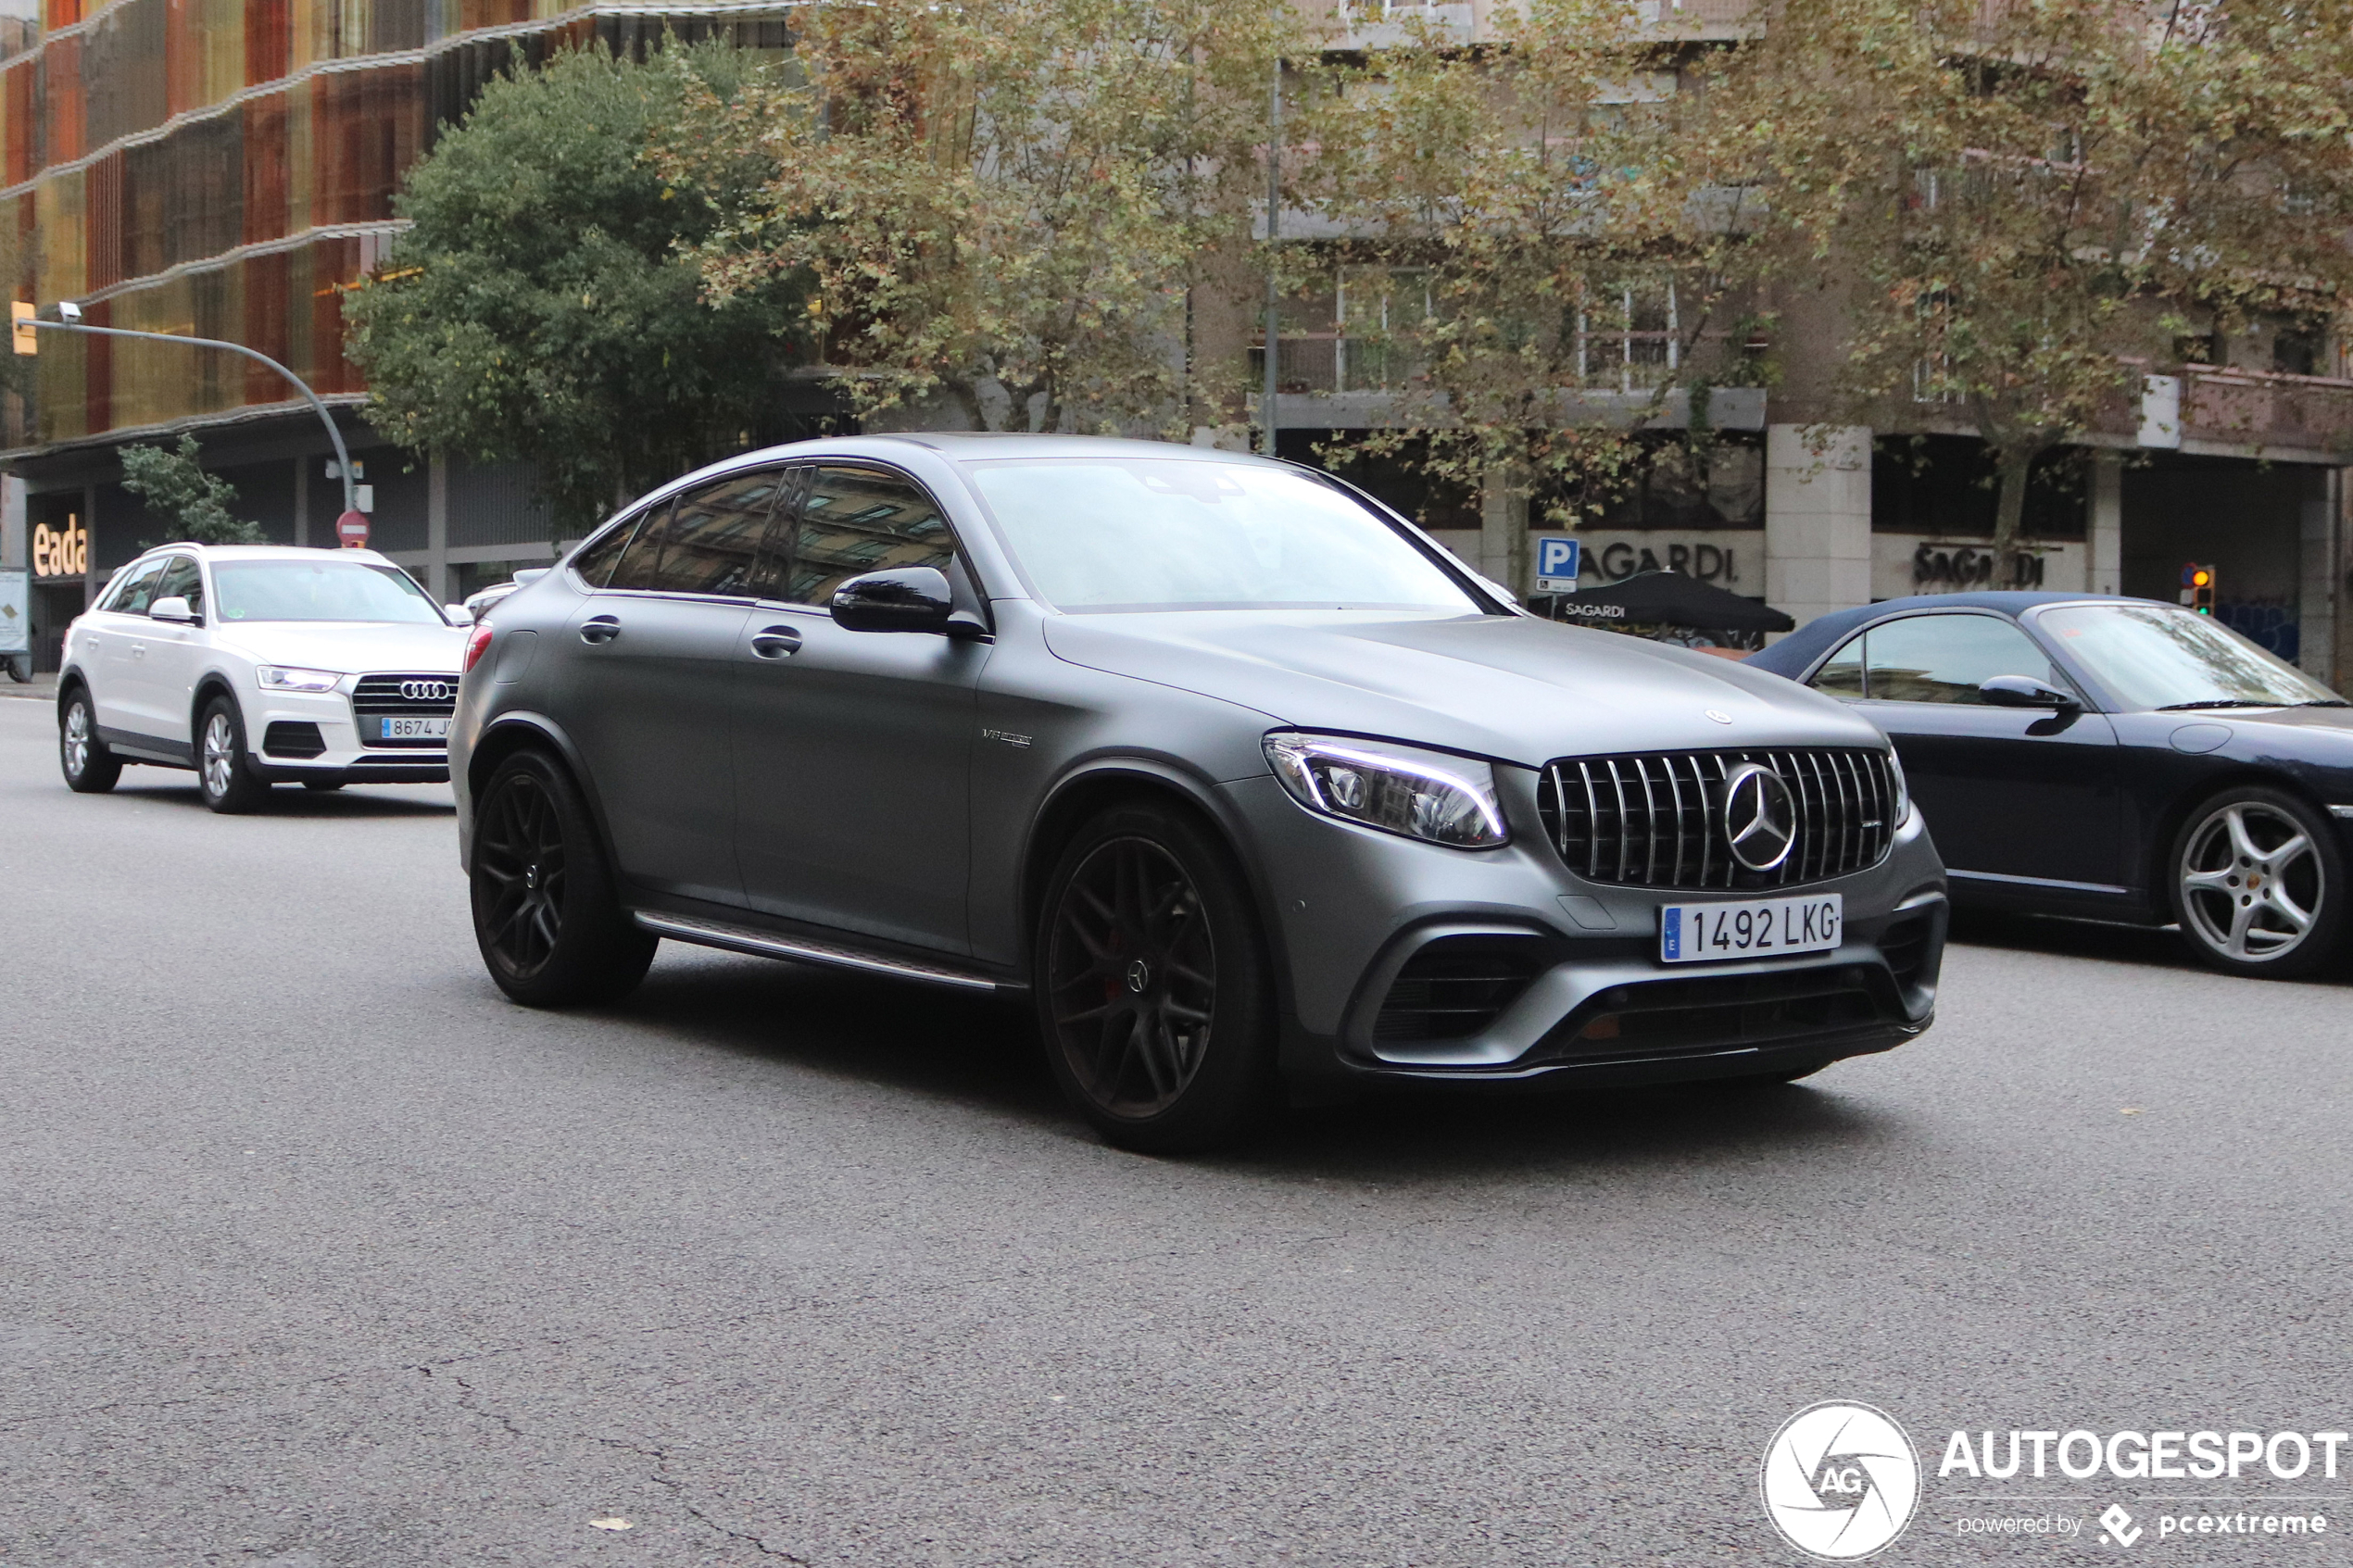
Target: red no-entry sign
{"points": [[352, 528]]}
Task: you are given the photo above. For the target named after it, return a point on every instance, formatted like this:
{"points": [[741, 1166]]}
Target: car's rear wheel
{"points": [[547, 913], [2258, 883], [89, 767], [228, 784], [1153, 989]]}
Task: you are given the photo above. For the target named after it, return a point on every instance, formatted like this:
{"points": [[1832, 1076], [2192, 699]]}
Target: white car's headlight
{"points": [[1903, 789], [278, 678], [1400, 789]]}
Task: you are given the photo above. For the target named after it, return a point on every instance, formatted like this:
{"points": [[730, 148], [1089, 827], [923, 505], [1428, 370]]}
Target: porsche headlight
{"points": [[280, 678], [1400, 789]]}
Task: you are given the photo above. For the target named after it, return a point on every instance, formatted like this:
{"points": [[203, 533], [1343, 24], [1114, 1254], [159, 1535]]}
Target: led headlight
{"points": [[278, 678], [1400, 789], [1903, 790]]}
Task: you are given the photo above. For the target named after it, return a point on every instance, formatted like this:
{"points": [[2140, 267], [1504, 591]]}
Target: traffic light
{"points": [[2197, 587], [20, 328]]}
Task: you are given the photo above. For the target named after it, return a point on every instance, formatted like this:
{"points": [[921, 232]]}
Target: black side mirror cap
{"points": [[905, 598], [2024, 691]]}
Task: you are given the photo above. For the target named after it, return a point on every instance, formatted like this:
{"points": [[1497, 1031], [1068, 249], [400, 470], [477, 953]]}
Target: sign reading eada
{"points": [[60, 552]]}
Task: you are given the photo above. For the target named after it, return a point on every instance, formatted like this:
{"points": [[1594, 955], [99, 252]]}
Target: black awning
{"points": [[1663, 598]]}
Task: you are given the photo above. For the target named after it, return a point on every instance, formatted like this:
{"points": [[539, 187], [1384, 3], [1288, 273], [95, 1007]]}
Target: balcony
{"points": [[2269, 411]]}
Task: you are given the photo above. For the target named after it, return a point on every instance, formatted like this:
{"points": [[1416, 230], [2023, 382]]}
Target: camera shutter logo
{"points": [[1760, 820], [1840, 1481]]}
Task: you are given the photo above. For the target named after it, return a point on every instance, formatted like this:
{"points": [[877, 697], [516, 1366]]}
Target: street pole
{"points": [[1274, 280], [343, 454]]}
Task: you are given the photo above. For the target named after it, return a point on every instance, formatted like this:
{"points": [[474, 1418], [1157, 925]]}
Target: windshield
{"points": [[2155, 656], [326, 589], [1176, 533]]}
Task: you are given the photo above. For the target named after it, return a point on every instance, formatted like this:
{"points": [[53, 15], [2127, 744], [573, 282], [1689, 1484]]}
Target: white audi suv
{"points": [[255, 665]]}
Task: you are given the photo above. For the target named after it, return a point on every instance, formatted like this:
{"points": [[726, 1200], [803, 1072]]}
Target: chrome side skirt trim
{"points": [[767, 945], [2038, 881]]}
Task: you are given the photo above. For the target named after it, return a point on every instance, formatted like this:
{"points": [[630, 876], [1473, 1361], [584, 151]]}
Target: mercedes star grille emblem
{"points": [[426, 691], [1759, 819]]}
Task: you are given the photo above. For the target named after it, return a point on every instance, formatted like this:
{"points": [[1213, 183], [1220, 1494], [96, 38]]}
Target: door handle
{"points": [[775, 642], [599, 629], [138, 650]]}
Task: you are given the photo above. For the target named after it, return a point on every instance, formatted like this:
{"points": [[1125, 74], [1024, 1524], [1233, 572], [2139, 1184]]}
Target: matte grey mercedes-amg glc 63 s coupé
{"points": [[1243, 780]]}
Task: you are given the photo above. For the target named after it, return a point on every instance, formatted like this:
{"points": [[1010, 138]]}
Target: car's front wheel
{"points": [[228, 784], [2258, 883], [89, 767], [547, 912], [1153, 985]]}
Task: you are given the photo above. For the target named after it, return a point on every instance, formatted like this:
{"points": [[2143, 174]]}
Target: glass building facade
{"points": [[226, 168]]}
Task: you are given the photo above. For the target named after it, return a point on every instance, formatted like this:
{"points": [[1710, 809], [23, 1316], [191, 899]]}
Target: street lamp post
{"points": [[343, 454]]}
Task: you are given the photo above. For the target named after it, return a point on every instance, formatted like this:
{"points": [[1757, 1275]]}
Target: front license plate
{"points": [[415, 729], [1700, 932]]}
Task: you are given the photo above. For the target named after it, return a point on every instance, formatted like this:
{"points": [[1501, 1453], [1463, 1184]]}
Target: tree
{"points": [[543, 307], [2032, 204], [1004, 203], [175, 485], [1530, 258]]}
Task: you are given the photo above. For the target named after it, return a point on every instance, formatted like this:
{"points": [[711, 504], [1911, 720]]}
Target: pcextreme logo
{"points": [[1840, 1481]]}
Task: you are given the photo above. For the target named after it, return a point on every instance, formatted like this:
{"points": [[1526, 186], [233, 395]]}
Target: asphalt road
{"points": [[318, 1253]]}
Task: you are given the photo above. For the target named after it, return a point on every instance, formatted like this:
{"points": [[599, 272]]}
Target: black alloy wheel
{"points": [[1153, 988], [90, 768], [548, 916], [228, 784], [2258, 883]]}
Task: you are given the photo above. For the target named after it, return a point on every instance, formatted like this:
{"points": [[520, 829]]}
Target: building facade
{"points": [[225, 168]]}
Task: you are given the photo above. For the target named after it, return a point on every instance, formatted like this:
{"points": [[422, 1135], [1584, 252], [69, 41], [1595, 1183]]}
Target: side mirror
{"points": [[2024, 691], [172, 607], [458, 614], [905, 598], [531, 574]]}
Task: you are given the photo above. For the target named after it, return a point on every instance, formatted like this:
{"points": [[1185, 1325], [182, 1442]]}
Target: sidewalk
{"points": [[43, 688]]}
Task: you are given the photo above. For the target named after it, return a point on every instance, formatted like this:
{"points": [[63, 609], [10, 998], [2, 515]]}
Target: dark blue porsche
{"points": [[2110, 758]]}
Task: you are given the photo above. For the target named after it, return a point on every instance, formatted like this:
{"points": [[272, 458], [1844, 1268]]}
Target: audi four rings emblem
{"points": [[426, 691], [1760, 819]]}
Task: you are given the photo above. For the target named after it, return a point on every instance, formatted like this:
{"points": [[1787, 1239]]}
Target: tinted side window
{"points": [[181, 578], [595, 564], [138, 590], [1842, 673], [855, 520], [1946, 657], [714, 533], [635, 566]]}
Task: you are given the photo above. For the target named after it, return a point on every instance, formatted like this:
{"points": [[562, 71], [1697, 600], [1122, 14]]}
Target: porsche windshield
{"points": [[1182, 534], [2157, 657], [326, 589]]}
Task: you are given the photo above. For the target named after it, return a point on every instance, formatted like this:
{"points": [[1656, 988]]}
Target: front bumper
{"points": [[295, 737], [1391, 952]]}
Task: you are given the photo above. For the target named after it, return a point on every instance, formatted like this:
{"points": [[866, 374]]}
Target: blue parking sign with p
{"points": [[1558, 558]]}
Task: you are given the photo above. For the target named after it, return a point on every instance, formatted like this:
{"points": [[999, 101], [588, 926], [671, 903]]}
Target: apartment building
{"points": [[225, 168]]}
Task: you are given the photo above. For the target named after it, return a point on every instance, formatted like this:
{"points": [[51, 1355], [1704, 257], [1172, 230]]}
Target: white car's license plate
{"points": [[415, 729], [1701, 932]]}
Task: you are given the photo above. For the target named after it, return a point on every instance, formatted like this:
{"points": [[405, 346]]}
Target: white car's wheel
{"points": [[229, 785], [89, 767]]}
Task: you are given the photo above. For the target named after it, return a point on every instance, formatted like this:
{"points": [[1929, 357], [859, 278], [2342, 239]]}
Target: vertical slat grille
{"points": [[1657, 819]]}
